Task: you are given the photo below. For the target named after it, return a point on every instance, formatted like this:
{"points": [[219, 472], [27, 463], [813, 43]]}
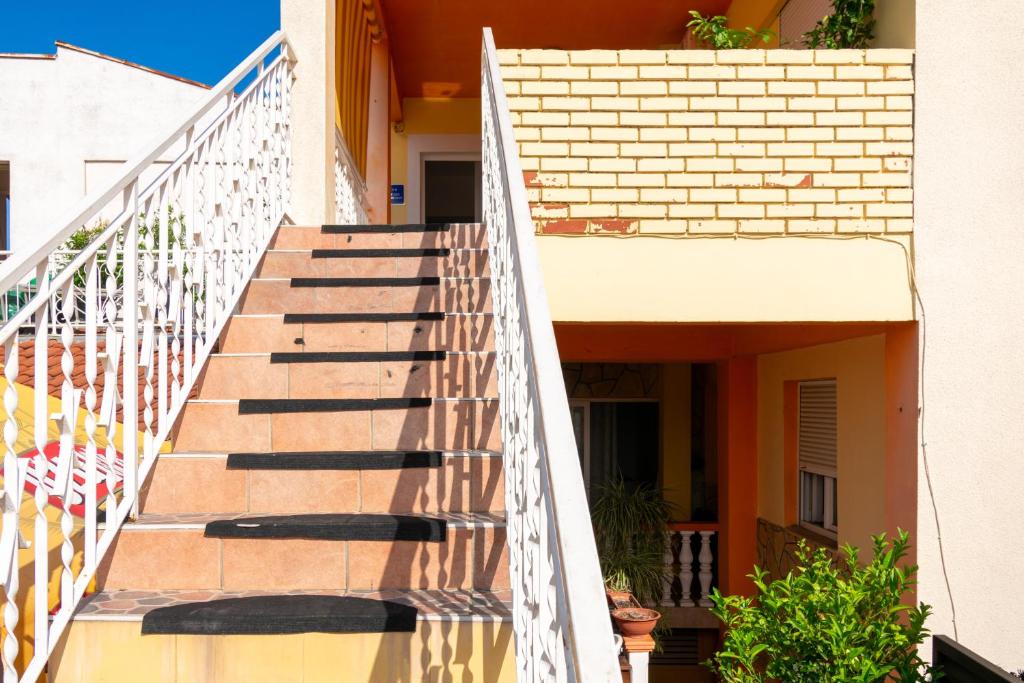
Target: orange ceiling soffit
{"points": [[436, 44]]}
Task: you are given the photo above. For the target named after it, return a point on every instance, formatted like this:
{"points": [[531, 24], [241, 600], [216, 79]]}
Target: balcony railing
{"points": [[559, 614], [141, 306], [690, 557]]}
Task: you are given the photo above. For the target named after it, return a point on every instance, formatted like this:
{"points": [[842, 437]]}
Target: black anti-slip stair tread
{"points": [[385, 229], [256, 406], [363, 317], [430, 281], [379, 253], [354, 356], [281, 614], [334, 460], [332, 527]]}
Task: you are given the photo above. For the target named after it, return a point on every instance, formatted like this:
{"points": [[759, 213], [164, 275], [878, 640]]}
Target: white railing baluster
{"points": [[686, 568], [705, 568], [161, 278], [559, 614], [671, 573]]}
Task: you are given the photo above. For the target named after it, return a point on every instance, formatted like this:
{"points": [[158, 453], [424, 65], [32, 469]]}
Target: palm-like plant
{"points": [[631, 534]]}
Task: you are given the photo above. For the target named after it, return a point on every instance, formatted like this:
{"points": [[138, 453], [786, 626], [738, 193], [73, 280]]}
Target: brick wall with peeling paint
{"points": [[698, 141]]}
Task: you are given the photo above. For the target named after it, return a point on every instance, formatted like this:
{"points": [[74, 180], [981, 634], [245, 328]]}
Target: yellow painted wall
{"points": [[115, 651], [675, 436], [779, 279], [859, 368], [422, 116], [894, 23]]}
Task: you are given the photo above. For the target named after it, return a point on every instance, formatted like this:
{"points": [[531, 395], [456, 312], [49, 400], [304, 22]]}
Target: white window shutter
{"points": [[817, 445]]}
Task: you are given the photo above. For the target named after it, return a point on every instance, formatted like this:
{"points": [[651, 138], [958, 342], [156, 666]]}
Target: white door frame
{"points": [[424, 147]]}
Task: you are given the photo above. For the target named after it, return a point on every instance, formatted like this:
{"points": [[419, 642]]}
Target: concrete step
{"points": [[447, 424], [161, 552], [349, 375], [386, 295], [269, 333], [373, 263], [457, 236], [464, 635], [462, 481]]}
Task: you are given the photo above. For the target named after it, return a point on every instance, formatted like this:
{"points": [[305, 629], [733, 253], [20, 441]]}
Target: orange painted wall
{"points": [[737, 481]]}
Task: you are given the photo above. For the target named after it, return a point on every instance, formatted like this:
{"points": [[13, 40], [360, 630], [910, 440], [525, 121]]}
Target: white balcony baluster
{"points": [[705, 559], [686, 569]]}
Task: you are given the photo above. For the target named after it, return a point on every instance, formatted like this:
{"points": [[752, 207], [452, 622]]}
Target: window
{"points": [[617, 436], [817, 449]]}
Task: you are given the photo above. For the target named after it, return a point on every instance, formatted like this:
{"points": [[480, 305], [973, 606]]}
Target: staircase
{"points": [[333, 505]]}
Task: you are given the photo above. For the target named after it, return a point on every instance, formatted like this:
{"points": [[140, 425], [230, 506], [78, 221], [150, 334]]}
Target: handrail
{"points": [[350, 199], [133, 316], [14, 268], [560, 616]]}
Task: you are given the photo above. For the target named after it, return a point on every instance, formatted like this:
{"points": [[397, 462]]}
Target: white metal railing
{"points": [[192, 237], [560, 616], [689, 556], [349, 186]]}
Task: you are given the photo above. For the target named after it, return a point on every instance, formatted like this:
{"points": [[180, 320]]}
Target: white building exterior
{"points": [[68, 120]]}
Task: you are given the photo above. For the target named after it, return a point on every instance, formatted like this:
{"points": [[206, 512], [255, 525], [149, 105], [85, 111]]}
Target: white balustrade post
{"points": [[638, 665], [130, 366], [705, 568], [686, 569], [670, 572]]}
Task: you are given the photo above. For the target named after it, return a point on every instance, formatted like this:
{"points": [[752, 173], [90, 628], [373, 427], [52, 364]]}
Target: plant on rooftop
{"points": [[713, 33], [851, 25], [823, 623]]}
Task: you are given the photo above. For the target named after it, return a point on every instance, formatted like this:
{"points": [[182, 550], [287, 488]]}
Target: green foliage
{"points": [[713, 33], [631, 534], [851, 25], [824, 624], [84, 236]]}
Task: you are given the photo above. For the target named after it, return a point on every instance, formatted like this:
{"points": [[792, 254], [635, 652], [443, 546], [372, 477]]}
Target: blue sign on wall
{"points": [[397, 195]]}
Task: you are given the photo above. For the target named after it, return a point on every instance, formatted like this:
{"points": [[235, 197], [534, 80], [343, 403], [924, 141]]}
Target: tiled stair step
{"points": [[214, 426], [392, 481], [356, 356], [458, 236], [349, 374], [334, 460], [403, 331], [162, 552], [332, 527], [256, 406], [367, 295], [280, 614], [401, 262]]}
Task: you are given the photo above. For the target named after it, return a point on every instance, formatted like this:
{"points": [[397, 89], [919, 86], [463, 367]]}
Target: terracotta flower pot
{"points": [[619, 598], [635, 621]]}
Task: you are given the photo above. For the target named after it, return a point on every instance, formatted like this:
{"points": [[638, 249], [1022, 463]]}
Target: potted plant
{"points": [[630, 528]]}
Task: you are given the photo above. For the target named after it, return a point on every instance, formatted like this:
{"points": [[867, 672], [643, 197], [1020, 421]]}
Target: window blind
{"points": [[817, 444]]}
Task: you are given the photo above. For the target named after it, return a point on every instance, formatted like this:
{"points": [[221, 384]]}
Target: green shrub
{"points": [[713, 33], [826, 624], [851, 25]]}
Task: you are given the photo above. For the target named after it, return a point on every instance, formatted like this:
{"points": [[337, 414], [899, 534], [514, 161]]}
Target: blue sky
{"points": [[198, 39]]}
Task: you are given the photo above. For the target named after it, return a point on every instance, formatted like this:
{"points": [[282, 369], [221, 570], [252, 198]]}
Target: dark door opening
{"points": [[451, 191]]}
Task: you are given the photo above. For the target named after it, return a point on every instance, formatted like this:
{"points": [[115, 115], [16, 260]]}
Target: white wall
{"points": [[969, 233], [64, 120]]}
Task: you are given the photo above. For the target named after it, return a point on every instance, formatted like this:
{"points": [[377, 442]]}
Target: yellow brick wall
{"points": [[705, 142]]}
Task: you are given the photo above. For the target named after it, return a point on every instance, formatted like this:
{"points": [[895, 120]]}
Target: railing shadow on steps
{"points": [[192, 232], [560, 619]]}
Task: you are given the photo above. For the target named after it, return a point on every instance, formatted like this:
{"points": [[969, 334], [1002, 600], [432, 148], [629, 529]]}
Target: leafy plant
{"points": [[631, 534], [826, 624], [712, 32], [851, 25]]}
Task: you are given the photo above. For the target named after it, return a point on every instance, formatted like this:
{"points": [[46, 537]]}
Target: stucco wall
{"points": [[699, 141], [970, 238], [65, 122], [858, 365]]}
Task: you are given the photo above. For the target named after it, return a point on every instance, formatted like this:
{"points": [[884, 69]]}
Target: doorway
{"points": [[617, 437], [451, 190]]}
